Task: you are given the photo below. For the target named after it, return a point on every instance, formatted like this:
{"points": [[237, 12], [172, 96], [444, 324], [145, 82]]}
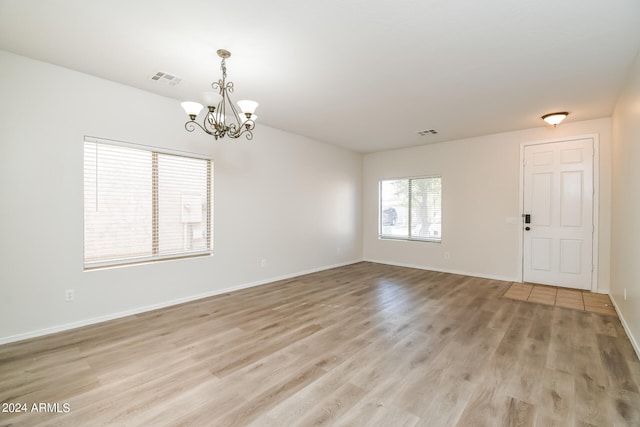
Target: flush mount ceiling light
{"points": [[555, 118], [222, 118]]}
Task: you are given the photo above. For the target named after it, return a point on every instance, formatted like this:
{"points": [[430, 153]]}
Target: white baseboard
{"points": [[138, 310], [634, 342], [440, 270]]}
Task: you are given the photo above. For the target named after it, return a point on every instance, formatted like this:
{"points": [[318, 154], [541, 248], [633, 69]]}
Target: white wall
{"points": [[282, 197], [625, 233], [480, 179]]}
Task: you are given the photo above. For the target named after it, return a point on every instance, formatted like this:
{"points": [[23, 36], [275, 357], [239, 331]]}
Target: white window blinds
{"points": [[144, 205]]}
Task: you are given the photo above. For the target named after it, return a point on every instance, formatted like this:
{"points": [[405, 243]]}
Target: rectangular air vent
{"points": [[427, 132], [166, 78]]}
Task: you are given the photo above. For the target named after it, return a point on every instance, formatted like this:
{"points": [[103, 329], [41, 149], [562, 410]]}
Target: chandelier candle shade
{"points": [[222, 117]]}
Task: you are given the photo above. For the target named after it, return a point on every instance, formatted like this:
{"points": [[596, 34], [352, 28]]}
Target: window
{"points": [[410, 208], [142, 204]]}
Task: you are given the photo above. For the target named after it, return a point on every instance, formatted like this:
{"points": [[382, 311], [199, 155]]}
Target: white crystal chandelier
{"points": [[222, 118]]}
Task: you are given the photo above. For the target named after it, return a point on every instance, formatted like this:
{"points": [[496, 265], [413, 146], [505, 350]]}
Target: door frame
{"points": [[596, 201]]}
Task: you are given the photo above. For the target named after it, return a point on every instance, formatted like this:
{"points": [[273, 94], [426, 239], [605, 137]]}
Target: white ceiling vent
{"points": [[166, 78], [427, 132]]}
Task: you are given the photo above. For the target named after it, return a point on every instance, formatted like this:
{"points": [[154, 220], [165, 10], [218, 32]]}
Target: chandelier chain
{"points": [[223, 67]]}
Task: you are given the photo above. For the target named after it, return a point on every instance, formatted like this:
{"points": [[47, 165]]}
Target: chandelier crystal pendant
{"points": [[222, 117]]}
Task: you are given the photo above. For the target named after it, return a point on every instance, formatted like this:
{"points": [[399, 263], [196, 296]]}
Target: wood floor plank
{"points": [[561, 354], [455, 384], [266, 400], [367, 413], [615, 364], [557, 396], [590, 385], [483, 409], [361, 345], [624, 408]]}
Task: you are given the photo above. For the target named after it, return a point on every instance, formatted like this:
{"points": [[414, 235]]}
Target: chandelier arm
{"points": [[221, 86], [249, 125], [212, 126], [248, 135], [246, 130], [237, 116], [190, 126]]}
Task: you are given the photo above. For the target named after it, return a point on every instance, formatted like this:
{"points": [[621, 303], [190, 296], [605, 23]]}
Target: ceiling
{"points": [[362, 74]]}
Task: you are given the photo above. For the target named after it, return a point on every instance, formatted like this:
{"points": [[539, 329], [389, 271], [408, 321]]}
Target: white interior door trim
{"points": [[596, 200]]}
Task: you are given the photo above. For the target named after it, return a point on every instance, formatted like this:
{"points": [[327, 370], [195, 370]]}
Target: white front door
{"points": [[558, 197]]}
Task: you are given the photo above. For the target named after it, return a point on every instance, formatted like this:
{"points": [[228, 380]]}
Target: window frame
{"points": [[155, 256], [408, 236]]}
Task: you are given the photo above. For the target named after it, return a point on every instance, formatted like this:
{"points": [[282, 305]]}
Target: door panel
{"points": [[571, 195], [541, 254], [558, 193], [541, 194]]}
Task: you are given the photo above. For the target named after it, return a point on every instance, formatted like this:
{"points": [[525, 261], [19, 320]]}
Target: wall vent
{"points": [[166, 78], [427, 132]]}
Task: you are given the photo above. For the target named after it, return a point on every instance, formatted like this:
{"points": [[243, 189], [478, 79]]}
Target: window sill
{"points": [[410, 239], [141, 261]]}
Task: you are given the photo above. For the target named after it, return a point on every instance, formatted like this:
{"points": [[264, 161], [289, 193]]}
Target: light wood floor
{"points": [[361, 345]]}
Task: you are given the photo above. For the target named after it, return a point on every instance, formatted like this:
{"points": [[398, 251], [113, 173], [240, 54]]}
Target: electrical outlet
{"points": [[339, 251], [263, 263], [625, 294], [446, 255], [69, 295]]}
